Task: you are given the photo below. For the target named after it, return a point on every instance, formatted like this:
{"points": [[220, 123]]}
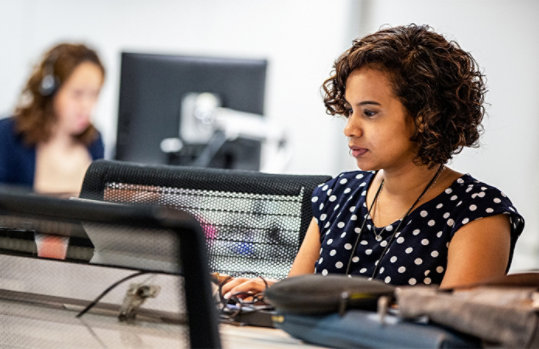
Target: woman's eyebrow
{"points": [[368, 102]]}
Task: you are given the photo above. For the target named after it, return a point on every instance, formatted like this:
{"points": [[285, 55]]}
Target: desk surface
{"points": [[25, 325], [29, 323]]}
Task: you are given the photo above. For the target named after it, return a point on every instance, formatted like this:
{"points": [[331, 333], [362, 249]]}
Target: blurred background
{"points": [[300, 39]]}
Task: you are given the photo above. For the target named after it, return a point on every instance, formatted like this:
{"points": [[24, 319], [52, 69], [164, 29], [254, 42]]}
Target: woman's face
{"points": [[76, 98], [378, 126]]}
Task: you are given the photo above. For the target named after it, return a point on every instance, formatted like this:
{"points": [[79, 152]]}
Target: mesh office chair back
{"points": [[253, 222]]}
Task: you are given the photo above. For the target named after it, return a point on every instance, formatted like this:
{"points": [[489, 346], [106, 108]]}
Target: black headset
{"points": [[49, 83]]}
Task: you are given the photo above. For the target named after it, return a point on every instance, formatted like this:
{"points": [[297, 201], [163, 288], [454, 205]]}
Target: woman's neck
{"points": [[409, 181], [60, 139], [403, 190]]}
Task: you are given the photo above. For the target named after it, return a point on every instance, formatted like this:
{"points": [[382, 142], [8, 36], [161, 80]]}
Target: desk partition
{"points": [[172, 278]]}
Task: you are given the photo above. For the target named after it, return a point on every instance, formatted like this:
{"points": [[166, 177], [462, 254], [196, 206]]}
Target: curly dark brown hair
{"points": [[438, 83], [34, 115]]}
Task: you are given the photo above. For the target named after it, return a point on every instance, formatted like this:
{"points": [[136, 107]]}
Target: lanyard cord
{"points": [[377, 263], [363, 226]]}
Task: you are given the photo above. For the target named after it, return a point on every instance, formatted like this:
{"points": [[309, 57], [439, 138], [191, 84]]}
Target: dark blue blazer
{"points": [[18, 160]]}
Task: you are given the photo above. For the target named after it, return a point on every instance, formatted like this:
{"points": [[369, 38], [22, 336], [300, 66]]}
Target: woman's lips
{"points": [[358, 151]]}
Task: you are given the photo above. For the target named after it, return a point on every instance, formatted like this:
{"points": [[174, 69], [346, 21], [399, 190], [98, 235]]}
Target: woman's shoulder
{"points": [[469, 199], [97, 147], [337, 191], [467, 187], [7, 124], [7, 130], [342, 185]]}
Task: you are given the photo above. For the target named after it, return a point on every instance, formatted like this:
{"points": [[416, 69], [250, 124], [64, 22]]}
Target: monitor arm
{"points": [[204, 121]]}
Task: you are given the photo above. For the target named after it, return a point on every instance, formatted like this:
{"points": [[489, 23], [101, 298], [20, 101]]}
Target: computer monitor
{"points": [[152, 90]]}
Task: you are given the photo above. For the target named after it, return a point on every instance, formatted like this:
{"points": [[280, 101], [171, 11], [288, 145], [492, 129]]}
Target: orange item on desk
{"points": [[51, 246]]}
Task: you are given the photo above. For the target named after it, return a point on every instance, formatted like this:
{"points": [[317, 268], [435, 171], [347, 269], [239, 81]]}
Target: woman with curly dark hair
{"points": [[412, 100], [50, 141]]}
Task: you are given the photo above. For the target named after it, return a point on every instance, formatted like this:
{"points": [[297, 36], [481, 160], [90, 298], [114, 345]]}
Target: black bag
{"points": [[337, 311], [318, 294]]}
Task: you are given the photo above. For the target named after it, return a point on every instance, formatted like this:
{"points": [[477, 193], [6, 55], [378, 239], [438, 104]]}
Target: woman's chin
{"points": [[80, 130], [364, 166]]}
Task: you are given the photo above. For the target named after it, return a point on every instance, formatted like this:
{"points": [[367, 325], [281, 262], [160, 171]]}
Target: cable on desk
{"points": [[110, 288]]}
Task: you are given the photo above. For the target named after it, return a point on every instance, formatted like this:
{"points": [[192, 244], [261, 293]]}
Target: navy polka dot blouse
{"points": [[418, 252]]}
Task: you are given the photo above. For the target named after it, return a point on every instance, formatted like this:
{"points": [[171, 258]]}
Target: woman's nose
{"points": [[88, 102], [352, 127]]}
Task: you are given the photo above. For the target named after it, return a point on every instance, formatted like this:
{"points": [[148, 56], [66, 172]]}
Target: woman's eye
{"points": [[369, 113], [77, 93]]}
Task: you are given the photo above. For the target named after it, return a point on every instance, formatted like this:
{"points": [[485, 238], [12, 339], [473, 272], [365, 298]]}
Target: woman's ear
{"points": [[419, 124]]}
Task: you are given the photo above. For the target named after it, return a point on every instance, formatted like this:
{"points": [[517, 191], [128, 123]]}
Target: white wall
{"points": [[301, 39], [295, 36]]}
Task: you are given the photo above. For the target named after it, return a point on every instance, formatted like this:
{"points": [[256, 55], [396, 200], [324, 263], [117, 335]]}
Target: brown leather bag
{"points": [[503, 312]]}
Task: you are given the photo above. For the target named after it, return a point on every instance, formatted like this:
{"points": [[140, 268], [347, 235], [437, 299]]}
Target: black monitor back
{"points": [[152, 87]]}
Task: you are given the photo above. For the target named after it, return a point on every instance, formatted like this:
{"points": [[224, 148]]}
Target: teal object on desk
{"points": [[361, 328]]}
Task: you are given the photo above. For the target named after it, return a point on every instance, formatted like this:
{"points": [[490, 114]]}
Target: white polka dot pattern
{"points": [[418, 253]]}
